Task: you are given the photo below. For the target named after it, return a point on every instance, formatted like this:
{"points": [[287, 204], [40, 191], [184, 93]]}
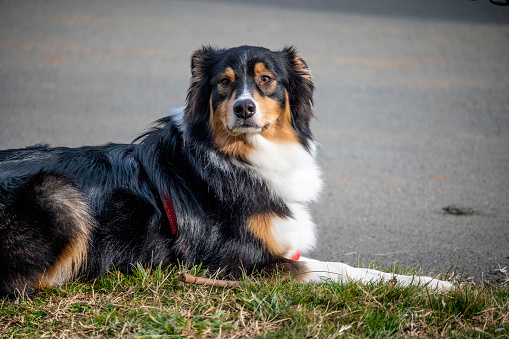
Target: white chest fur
{"points": [[292, 174]]}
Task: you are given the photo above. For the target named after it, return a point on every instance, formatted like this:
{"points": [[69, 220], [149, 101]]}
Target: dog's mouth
{"points": [[246, 127]]}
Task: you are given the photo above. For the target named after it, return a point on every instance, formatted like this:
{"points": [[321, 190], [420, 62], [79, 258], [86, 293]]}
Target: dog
{"points": [[224, 182]]}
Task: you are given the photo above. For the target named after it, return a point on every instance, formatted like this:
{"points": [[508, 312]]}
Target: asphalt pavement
{"points": [[412, 106]]}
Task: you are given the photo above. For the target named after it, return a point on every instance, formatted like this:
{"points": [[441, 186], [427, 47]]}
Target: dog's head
{"points": [[238, 92]]}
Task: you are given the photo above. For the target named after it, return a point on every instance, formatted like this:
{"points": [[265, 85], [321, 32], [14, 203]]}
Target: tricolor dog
{"points": [[224, 181]]}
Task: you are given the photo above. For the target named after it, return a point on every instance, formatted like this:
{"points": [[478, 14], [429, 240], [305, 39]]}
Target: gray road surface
{"points": [[412, 105]]}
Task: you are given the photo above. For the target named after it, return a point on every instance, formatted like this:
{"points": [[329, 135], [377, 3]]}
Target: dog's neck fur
{"points": [[292, 174], [289, 170]]}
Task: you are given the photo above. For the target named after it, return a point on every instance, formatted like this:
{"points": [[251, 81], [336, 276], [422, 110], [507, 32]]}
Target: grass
{"points": [[151, 303]]}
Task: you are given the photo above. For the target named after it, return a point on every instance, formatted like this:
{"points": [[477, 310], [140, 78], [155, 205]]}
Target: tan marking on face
{"points": [[72, 212], [261, 226], [277, 121], [260, 73], [231, 144], [229, 75]]}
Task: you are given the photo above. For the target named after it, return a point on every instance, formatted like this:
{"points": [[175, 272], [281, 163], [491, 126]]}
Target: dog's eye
{"points": [[265, 79], [225, 82]]}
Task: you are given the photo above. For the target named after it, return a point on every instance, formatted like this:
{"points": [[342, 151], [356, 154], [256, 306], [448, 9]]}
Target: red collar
{"points": [[172, 217], [295, 256]]}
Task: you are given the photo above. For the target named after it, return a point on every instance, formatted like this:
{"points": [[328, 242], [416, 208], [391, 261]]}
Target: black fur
{"points": [[123, 186]]}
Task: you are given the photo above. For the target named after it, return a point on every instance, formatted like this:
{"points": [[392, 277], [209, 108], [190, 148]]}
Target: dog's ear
{"points": [[199, 62], [198, 84], [195, 114], [299, 66], [300, 88]]}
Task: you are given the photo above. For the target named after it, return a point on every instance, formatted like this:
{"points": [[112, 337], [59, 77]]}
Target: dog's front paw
{"points": [[428, 282], [322, 271]]}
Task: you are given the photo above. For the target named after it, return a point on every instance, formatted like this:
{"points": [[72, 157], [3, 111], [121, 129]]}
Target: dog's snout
{"points": [[244, 108]]}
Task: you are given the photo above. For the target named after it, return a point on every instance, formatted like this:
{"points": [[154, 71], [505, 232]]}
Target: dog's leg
{"points": [[318, 271], [45, 227]]}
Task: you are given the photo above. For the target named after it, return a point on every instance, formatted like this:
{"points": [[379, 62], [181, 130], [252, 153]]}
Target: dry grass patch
{"points": [[152, 303]]}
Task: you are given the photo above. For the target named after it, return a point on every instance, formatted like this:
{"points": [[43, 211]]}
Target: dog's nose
{"points": [[244, 108]]}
